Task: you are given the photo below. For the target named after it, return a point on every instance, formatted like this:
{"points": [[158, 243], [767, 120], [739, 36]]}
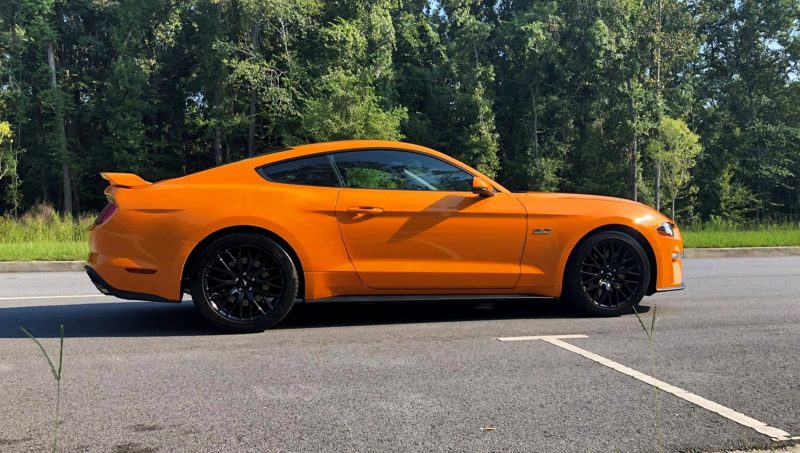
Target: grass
{"points": [[44, 251], [717, 234], [43, 235]]}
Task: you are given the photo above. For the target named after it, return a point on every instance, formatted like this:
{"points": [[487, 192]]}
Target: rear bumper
{"points": [[136, 253], [105, 288]]}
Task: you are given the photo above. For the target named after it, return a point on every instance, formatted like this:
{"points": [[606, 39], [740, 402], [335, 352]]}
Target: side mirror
{"points": [[480, 187]]}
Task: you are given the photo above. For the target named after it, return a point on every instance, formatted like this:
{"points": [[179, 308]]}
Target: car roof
{"points": [[341, 145]]}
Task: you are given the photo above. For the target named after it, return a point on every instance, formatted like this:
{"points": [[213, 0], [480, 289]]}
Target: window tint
{"points": [[400, 170], [309, 171]]}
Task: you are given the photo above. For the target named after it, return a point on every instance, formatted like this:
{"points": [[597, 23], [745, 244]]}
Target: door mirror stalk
{"points": [[481, 188]]}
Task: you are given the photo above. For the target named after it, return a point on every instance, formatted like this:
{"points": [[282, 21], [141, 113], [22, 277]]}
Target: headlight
{"points": [[666, 229]]}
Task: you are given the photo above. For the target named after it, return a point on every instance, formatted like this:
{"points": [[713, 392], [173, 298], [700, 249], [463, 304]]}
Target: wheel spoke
{"points": [[264, 292], [225, 265], [219, 286], [255, 303]]}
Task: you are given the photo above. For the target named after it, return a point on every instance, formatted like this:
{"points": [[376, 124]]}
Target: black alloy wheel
{"points": [[607, 274], [244, 283]]}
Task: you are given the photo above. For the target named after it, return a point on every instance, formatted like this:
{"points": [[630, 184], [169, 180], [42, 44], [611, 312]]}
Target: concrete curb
{"points": [[740, 252], [737, 252], [41, 266]]}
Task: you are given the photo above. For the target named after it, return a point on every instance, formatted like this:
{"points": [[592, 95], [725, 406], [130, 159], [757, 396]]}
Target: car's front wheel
{"points": [[244, 282], [607, 274]]}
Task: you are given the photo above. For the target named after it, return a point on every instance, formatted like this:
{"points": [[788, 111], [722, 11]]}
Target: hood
{"points": [[575, 203]]}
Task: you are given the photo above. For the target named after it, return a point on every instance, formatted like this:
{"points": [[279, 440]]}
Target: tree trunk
{"points": [[59, 135], [537, 160], [658, 185], [218, 144], [535, 126], [634, 154], [251, 135], [227, 149], [673, 208]]}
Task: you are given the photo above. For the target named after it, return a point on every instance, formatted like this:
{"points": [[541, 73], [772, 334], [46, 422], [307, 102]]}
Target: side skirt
{"points": [[426, 297]]}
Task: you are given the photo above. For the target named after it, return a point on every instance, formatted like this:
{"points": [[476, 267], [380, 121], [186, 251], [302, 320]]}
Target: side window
{"points": [[399, 170], [309, 171]]}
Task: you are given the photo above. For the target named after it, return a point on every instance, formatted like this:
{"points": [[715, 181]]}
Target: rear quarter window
{"points": [[307, 171]]}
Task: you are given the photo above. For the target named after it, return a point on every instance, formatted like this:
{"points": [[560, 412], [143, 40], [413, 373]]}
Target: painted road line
{"points": [[556, 340], [75, 296], [541, 337]]}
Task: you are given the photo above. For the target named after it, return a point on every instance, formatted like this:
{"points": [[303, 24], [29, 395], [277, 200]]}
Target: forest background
{"points": [[689, 106]]}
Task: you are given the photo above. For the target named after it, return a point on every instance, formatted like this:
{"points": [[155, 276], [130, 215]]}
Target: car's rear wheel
{"points": [[244, 282], [607, 274]]}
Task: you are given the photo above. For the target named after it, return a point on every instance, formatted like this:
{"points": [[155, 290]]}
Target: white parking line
{"points": [[556, 340], [74, 296]]}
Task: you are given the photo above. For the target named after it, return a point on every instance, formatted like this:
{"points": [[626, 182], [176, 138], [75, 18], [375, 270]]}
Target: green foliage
{"points": [[346, 107], [574, 95], [8, 164], [43, 223], [719, 232], [675, 148], [371, 178], [735, 200], [43, 234]]}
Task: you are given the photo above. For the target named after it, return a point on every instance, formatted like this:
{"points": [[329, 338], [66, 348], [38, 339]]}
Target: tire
{"points": [[606, 275], [244, 282]]}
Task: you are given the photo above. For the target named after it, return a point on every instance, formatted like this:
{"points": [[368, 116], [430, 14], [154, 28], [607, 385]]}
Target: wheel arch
{"points": [[630, 231], [200, 246]]}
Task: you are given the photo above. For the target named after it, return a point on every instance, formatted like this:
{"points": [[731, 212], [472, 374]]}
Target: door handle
{"points": [[365, 210]]}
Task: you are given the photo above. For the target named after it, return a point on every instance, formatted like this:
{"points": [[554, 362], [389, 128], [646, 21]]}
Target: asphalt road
{"points": [[145, 377]]}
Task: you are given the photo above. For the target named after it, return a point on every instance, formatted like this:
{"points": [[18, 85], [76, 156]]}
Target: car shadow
{"points": [[114, 319], [149, 319]]}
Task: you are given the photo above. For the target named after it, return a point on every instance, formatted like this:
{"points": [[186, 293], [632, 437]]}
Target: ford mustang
{"points": [[370, 220]]}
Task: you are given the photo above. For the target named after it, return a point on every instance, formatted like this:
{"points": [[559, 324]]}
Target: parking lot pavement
{"points": [[143, 377]]}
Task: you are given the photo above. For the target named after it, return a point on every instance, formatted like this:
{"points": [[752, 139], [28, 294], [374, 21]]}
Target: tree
{"points": [[345, 109], [675, 150], [734, 199], [746, 110], [54, 101], [350, 98], [7, 158]]}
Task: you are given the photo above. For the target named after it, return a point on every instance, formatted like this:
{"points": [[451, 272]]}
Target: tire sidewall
{"points": [[574, 292], [283, 305]]}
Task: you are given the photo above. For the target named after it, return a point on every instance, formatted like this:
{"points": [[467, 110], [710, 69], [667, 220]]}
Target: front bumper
{"points": [[671, 288]]}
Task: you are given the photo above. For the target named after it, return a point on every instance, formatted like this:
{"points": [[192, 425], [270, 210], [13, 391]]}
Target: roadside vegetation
{"points": [[725, 233], [42, 234]]}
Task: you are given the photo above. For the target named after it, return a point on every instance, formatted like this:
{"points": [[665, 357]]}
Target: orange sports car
{"points": [[370, 220]]}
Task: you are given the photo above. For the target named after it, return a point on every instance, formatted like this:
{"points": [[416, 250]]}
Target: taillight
{"points": [[106, 213]]}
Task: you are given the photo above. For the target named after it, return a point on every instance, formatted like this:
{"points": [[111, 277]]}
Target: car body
{"points": [[365, 219]]}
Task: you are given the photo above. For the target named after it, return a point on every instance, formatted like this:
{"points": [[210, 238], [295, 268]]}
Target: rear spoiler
{"points": [[127, 180]]}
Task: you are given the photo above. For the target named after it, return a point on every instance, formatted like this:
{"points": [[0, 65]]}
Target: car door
{"points": [[410, 221]]}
